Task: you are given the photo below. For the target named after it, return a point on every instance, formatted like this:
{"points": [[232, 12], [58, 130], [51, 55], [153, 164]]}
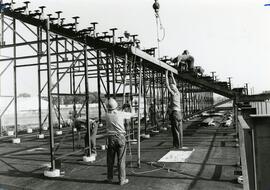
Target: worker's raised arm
{"points": [[167, 82], [174, 82]]}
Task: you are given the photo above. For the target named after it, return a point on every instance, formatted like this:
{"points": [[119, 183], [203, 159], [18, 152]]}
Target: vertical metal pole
{"points": [[39, 51], [50, 106], [130, 81], [73, 91], [2, 27], [131, 97], [1, 43], [124, 83], [139, 117], [58, 83], [144, 100], [99, 86], [183, 103], [266, 111], [162, 98], [87, 99], [15, 79], [113, 74], [107, 76], [154, 98], [73, 79], [189, 99]]}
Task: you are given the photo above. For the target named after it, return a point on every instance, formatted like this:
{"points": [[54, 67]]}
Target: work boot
{"points": [[124, 182]]}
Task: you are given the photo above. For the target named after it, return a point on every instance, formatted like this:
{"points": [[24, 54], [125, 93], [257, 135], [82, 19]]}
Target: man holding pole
{"points": [[175, 113]]}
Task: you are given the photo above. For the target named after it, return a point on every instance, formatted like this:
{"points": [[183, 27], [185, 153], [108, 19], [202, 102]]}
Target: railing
{"points": [[254, 138]]}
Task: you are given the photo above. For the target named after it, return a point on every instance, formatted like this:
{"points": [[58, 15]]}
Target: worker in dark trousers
{"points": [[93, 133], [153, 114], [184, 62], [175, 113], [116, 140]]}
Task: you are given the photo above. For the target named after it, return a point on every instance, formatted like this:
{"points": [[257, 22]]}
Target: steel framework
{"points": [[72, 62]]}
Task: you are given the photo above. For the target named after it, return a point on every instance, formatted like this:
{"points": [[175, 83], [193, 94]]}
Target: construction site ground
{"points": [[212, 165]]}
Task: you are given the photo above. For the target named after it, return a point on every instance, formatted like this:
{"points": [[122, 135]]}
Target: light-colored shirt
{"points": [[115, 121], [176, 102]]}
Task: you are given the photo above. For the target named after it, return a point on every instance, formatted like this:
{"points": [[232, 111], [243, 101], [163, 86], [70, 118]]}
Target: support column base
{"points": [[164, 128], [52, 173], [155, 131], [10, 133], [58, 132], [145, 136], [40, 136], [29, 131], [103, 147], [16, 141], [133, 141], [91, 158]]}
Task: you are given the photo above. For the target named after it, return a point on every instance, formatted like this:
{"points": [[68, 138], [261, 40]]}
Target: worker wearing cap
{"points": [[175, 113], [116, 140]]}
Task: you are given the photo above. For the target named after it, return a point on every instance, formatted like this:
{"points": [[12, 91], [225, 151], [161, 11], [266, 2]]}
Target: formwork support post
{"points": [[139, 116], [15, 79], [87, 99], [50, 105], [144, 100], [58, 82], [99, 86], [39, 51]]}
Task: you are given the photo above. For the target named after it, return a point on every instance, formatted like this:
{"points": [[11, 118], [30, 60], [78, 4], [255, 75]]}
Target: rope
{"points": [[161, 28]]}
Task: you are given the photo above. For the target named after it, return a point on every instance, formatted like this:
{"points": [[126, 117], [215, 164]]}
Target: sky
{"points": [[230, 37]]}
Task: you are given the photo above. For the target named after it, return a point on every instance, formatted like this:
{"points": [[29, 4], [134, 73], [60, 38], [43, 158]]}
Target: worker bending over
{"points": [[184, 62], [116, 140], [174, 110]]}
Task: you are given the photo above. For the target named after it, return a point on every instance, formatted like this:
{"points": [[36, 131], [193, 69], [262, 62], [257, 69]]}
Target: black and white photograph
{"points": [[135, 94]]}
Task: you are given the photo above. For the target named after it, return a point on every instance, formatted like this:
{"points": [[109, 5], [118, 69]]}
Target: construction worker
{"points": [[184, 62], [153, 110], [175, 112], [116, 140]]}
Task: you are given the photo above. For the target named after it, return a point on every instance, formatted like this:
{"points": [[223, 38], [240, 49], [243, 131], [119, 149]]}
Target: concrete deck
{"points": [[211, 165]]}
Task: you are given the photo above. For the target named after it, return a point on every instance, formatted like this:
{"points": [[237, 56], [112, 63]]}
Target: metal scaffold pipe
{"points": [[139, 116], [50, 105]]}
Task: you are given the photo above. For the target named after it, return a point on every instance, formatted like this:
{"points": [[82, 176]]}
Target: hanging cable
{"points": [[159, 26]]}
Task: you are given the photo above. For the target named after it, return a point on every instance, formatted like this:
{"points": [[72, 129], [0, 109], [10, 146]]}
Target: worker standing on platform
{"points": [[116, 140], [175, 112], [184, 62]]}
